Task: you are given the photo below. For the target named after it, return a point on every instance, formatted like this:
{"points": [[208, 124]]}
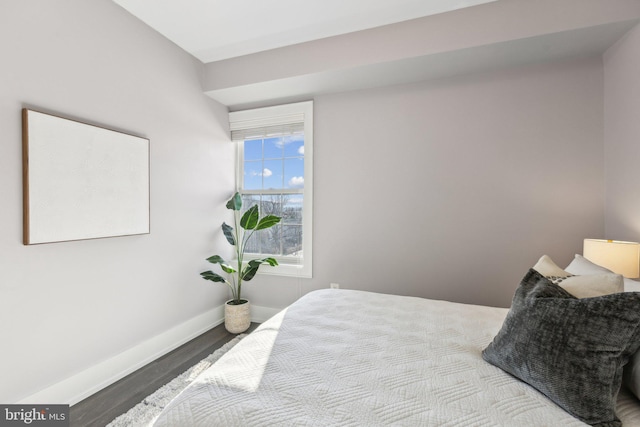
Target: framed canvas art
{"points": [[82, 181]]}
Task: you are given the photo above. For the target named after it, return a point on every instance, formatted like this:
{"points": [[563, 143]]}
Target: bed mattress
{"points": [[354, 358]]}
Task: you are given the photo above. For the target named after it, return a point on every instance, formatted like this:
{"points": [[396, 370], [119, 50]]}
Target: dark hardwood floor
{"points": [[101, 408]]}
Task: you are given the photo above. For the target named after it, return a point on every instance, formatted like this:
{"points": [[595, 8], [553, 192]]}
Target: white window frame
{"points": [[282, 115]]}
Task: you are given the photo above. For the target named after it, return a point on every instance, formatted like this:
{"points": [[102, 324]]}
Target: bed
{"points": [[355, 358]]}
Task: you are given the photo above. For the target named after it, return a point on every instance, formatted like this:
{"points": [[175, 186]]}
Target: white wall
{"points": [[65, 307], [622, 138], [453, 189]]}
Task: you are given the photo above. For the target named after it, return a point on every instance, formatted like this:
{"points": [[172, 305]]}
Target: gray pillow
{"points": [[571, 350]]}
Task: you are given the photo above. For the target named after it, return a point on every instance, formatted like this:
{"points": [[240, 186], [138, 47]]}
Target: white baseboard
{"points": [[261, 314], [83, 384]]}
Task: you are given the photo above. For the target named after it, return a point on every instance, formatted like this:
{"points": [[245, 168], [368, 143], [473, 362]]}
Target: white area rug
{"points": [[145, 413]]}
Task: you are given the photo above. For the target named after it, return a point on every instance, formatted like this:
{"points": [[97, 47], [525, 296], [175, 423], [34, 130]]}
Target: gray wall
{"points": [[622, 138], [67, 306], [453, 189]]}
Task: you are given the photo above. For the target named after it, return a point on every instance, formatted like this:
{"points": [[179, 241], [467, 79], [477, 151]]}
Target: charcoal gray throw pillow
{"points": [[571, 350]]}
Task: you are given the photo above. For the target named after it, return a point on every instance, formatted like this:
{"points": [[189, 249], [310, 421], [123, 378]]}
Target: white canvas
{"points": [[83, 181]]}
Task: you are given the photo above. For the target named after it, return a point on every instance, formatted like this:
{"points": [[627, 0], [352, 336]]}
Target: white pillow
{"points": [[581, 265], [631, 285], [588, 286]]}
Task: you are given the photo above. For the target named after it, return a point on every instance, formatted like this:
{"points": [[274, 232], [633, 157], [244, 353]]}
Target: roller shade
{"points": [[266, 127]]}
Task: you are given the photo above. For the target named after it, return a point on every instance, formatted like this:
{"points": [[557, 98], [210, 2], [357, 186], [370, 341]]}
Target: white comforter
{"points": [[352, 358]]}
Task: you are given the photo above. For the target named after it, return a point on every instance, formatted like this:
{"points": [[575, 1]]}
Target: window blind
{"points": [[286, 124], [267, 131]]}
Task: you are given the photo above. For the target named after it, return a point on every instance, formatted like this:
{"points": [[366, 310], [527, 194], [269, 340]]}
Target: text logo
{"points": [[34, 415]]}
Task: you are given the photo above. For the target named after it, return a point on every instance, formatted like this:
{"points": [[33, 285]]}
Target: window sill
{"points": [[289, 270]]}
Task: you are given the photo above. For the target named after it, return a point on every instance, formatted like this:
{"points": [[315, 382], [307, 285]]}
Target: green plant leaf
{"points": [[250, 218], [267, 222], [235, 203], [214, 277], [227, 268], [249, 271], [217, 259], [252, 268], [271, 261], [228, 233]]}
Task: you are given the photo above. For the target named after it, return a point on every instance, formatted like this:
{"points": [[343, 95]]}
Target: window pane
{"points": [[253, 175], [270, 240], [292, 210], [294, 146], [253, 149], [272, 174], [271, 205], [273, 148], [253, 245], [294, 173], [249, 200], [284, 238], [292, 240]]}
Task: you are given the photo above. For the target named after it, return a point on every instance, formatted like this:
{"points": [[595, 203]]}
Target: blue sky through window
{"points": [[274, 163]]}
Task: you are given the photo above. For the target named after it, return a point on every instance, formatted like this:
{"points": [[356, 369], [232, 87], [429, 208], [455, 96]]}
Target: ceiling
{"points": [[212, 30], [332, 46]]}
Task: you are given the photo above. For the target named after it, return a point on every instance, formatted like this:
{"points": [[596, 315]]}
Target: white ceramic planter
{"points": [[237, 318]]}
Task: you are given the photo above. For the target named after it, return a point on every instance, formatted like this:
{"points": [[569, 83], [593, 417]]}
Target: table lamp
{"points": [[619, 257]]}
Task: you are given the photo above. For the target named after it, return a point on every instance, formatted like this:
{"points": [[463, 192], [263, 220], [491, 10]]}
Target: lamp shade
{"points": [[619, 257]]}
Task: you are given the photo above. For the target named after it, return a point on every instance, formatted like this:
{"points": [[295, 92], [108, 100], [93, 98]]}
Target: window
{"points": [[275, 148]]}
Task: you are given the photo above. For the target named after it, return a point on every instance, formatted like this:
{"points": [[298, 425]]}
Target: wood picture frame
{"points": [[82, 181]]}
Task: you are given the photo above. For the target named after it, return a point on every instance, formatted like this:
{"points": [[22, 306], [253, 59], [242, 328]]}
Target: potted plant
{"points": [[237, 314]]}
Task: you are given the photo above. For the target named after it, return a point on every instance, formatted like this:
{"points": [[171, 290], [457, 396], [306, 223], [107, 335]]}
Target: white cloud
{"points": [[296, 181], [301, 150], [285, 140], [265, 172]]}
